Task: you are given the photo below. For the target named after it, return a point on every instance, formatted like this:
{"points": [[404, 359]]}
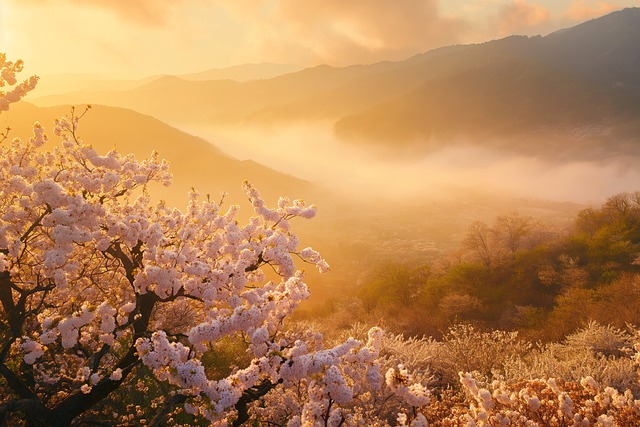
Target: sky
{"points": [[138, 38]]}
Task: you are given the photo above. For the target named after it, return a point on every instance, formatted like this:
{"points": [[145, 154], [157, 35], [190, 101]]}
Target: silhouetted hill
{"points": [[605, 49], [52, 84], [309, 94], [578, 85], [195, 163], [514, 98], [55, 84]]}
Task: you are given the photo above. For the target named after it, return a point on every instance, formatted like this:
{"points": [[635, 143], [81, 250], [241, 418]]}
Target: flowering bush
{"points": [[543, 402], [601, 352], [590, 378]]}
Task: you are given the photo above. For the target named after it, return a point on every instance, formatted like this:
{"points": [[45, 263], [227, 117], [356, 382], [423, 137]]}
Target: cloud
{"points": [[135, 37], [522, 17], [342, 32], [154, 13], [146, 12], [581, 10]]}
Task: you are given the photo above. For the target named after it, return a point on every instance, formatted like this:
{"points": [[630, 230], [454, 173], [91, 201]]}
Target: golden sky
{"points": [[136, 38]]}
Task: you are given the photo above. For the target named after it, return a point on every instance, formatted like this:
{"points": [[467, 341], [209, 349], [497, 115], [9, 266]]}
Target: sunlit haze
{"points": [[312, 125], [412, 213], [124, 39], [313, 153]]}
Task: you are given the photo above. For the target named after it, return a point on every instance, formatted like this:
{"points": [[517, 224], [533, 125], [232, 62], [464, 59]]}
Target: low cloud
{"points": [[312, 152], [522, 17], [153, 13], [581, 10], [342, 33]]}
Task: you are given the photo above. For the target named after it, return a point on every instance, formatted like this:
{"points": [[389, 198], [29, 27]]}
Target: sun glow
{"points": [[155, 37]]}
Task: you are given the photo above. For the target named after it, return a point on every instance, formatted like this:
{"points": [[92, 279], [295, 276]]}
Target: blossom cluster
{"points": [[547, 402], [8, 70]]}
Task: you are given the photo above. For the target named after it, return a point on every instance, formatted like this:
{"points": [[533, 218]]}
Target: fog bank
{"points": [[313, 153]]}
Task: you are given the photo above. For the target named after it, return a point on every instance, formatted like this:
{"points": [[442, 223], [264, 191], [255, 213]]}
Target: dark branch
{"points": [[78, 403], [33, 410], [169, 405], [251, 395]]}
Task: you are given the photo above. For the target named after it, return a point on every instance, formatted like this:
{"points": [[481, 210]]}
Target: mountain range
{"points": [[52, 84], [575, 91]]}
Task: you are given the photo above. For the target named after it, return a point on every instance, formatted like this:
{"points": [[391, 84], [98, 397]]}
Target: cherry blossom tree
{"points": [[99, 285]]}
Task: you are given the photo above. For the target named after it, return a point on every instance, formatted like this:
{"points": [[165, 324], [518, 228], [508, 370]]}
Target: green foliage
{"points": [[224, 355], [517, 274], [394, 285]]}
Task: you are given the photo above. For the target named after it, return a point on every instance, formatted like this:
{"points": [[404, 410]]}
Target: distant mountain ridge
{"points": [[54, 84], [244, 72], [577, 89], [580, 84]]}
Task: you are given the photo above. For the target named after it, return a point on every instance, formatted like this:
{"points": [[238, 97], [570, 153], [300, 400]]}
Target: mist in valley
{"points": [[312, 151], [381, 210]]}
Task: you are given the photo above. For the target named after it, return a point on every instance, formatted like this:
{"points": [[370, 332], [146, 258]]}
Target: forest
{"points": [[516, 273]]}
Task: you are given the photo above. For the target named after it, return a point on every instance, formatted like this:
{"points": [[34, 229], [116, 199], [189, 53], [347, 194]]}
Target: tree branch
{"points": [[33, 410], [79, 402], [251, 395], [168, 406]]}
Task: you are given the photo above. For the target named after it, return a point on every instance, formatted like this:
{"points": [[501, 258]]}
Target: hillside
{"points": [[577, 86], [195, 163], [228, 101], [53, 84]]}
